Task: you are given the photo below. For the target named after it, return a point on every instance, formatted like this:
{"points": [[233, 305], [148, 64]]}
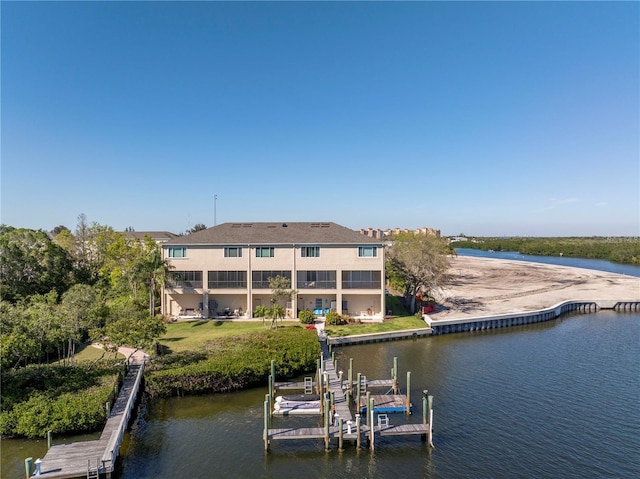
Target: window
{"points": [[367, 251], [186, 279], [177, 252], [316, 280], [265, 252], [260, 279], [310, 251], [361, 279], [233, 252], [227, 279]]}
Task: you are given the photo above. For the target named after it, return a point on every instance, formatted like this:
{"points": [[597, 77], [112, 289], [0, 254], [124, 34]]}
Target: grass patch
{"points": [[395, 324], [194, 335], [89, 353]]}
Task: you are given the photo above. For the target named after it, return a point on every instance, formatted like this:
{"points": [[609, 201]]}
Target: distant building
{"points": [[380, 234]]}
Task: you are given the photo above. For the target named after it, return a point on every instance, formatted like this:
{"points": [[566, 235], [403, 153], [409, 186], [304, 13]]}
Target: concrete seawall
{"points": [[447, 326], [481, 323]]}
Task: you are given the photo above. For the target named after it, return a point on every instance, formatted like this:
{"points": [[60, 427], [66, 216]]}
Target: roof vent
{"points": [[284, 225]]}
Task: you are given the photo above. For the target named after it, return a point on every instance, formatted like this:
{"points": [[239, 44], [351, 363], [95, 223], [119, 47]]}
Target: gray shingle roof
{"points": [[275, 233]]}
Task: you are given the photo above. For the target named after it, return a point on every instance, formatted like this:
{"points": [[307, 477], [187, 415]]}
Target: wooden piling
{"points": [[358, 433], [371, 423], [49, 440], [265, 434], [430, 429], [350, 379], [327, 423], [408, 392], [273, 378], [340, 433], [358, 390], [394, 376], [368, 401], [28, 464]]}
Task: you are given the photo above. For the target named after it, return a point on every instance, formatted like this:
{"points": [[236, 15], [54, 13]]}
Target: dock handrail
{"points": [[115, 440]]}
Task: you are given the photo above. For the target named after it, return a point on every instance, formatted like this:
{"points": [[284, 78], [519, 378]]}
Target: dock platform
{"points": [[94, 458]]}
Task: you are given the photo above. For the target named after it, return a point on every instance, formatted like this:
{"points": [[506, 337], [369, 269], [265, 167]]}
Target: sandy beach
{"points": [[487, 286]]}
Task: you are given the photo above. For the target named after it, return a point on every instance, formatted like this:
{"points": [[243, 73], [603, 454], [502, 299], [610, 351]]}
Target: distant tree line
{"points": [[624, 250]]}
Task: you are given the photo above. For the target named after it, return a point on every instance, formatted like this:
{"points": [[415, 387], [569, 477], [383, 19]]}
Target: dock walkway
{"points": [[340, 401], [80, 459]]}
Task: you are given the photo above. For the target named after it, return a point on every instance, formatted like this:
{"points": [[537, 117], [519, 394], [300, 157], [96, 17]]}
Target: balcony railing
{"points": [[185, 284], [227, 285], [361, 285], [316, 284]]}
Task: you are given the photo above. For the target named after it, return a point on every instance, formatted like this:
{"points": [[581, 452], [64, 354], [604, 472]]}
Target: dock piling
{"points": [[394, 375], [340, 434], [265, 434], [430, 429], [408, 392], [358, 432], [28, 463], [49, 440]]}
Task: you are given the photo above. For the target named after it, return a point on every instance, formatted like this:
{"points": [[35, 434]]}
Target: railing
{"points": [[113, 446], [185, 284], [227, 284], [361, 285], [316, 284]]}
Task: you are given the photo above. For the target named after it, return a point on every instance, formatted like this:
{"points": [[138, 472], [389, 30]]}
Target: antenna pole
{"points": [[215, 199]]}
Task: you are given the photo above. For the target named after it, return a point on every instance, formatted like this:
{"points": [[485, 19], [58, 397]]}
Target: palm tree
{"points": [[155, 270]]}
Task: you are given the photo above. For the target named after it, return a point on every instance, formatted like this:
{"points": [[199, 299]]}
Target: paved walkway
{"points": [[134, 356]]}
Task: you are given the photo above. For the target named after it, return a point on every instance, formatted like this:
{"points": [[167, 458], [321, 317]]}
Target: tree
{"points": [[155, 270], [419, 263], [280, 292], [30, 263], [127, 325], [77, 316], [196, 228]]}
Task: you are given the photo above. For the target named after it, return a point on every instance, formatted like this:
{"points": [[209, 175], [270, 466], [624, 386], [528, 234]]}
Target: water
{"points": [[555, 399], [597, 264]]}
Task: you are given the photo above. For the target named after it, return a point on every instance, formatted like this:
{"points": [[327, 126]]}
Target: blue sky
{"points": [[483, 118]]}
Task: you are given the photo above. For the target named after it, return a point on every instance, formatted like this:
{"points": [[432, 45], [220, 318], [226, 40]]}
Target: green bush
{"points": [[307, 317], [261, 312], [334, 319], [61, 399], [235, 362]]}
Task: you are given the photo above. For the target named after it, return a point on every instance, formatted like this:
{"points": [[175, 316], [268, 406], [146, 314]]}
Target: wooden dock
{"points": [[335, 386], [95, 458], [338, 420]]}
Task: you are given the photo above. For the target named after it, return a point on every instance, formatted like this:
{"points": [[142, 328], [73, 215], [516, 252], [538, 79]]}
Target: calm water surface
{"points": [[597, 264], [558, 399]]}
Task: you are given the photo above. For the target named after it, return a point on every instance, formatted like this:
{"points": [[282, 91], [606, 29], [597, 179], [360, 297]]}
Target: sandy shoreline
{"points": [[489, 286]]}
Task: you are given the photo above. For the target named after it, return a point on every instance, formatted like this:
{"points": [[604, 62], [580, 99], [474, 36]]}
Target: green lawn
{"points": [[89, 353], [395, 324], [192, 335]]}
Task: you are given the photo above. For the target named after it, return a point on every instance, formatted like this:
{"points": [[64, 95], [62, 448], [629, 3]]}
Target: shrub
{"points": [[235, 362], [62, 399], [261, 312], [307, 317], [334, 319]]}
